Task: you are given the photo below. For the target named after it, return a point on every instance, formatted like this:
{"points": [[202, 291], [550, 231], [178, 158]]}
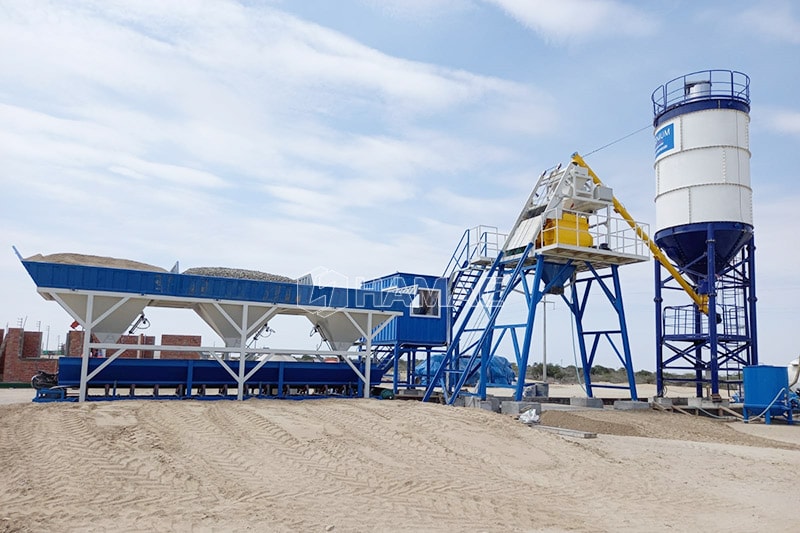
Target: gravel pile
{"points": [[237, 273], [93, 260]]}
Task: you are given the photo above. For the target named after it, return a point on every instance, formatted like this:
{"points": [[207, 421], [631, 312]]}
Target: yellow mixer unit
{"points": [[571, 229]]}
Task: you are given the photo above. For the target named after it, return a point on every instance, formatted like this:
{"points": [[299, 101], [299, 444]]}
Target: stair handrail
{"points": [[470, 247], [462, 248]]}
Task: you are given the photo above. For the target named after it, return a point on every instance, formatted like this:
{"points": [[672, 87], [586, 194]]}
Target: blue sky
{"points": [[362, 136]]}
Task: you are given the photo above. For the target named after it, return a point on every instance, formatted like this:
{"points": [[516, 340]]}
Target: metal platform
{"points": [[597, 257]]}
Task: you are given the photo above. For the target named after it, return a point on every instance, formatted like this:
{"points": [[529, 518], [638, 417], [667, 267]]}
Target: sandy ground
{"points": [[369, 465]]}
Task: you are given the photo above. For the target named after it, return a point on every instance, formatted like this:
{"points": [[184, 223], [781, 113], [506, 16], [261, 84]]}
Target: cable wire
{"points": [[618, 140], [764, 412]]}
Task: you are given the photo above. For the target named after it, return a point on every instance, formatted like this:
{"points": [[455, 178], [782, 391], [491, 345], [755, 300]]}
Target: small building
{"points": [[426, 317]]}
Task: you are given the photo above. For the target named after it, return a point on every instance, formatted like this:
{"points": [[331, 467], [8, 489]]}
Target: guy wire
{"points": [[618, 140]]}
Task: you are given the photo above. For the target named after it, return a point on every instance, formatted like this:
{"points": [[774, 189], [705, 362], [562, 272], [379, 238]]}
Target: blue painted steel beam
{"points": [[511, 283], [185, 286], [533, 302], [578, 306]]}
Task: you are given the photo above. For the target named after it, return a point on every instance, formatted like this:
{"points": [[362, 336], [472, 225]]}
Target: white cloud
{"points": [[579, 20], [418, 10], [775, 21], [158, 131], [786, 121], [240, 91]]}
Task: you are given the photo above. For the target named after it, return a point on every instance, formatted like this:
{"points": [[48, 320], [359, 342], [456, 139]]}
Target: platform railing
{"points": [[680, 321], [609, 233], [712, 84], [480, 242]]}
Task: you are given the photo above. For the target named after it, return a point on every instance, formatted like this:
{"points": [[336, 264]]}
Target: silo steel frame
{"points": [[712, 348]]}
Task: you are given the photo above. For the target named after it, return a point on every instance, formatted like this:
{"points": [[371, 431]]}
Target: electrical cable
{"points": [[783, 390], [712, 415], [616, 141]]}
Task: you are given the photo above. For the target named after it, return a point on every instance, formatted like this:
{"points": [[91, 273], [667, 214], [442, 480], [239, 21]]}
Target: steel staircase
{"points": [[472, 257]]}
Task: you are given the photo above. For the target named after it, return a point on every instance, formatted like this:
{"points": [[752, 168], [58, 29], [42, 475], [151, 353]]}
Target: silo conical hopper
{"points": [[703, 169]]}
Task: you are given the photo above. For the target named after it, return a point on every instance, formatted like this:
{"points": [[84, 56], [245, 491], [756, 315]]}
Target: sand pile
{"points": [[367, 465], [651, 425], [113, 262], [93, 260]]}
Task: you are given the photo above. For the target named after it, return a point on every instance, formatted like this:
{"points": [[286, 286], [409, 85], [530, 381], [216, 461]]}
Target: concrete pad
{"points": [[663, 402], [489, 405], [630, 405], [515, 408], [536, 390], [578, 401], [705, 403], [495, 403], [472, 401]]}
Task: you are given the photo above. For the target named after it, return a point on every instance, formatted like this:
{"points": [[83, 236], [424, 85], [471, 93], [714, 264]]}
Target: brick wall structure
{"points": [[75, 345], [2, 353], [21, 356], [180, 340]]}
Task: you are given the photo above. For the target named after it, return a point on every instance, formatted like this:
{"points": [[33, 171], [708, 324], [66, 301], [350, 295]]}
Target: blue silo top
{"points": [[704, 89]]}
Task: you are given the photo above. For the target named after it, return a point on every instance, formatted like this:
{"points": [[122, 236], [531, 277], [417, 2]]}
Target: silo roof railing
{"points": [[701, 85]]}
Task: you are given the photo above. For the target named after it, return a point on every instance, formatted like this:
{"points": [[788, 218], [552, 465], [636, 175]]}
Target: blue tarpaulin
{"points": [[499, 371]]}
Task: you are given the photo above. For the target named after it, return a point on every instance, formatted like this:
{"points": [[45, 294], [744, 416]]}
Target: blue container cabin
{"points": [[766, 392], [425, 320]]}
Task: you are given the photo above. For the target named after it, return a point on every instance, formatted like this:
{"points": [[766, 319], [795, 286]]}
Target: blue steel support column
{"points": [[577, 313], [486, 349], [189, 377], [514, 279], [533, 302], [453, 351], [396, 367], [698, 352], [659, 301], [752, 299], [623, 328], [428, 376], [712, 309]]}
